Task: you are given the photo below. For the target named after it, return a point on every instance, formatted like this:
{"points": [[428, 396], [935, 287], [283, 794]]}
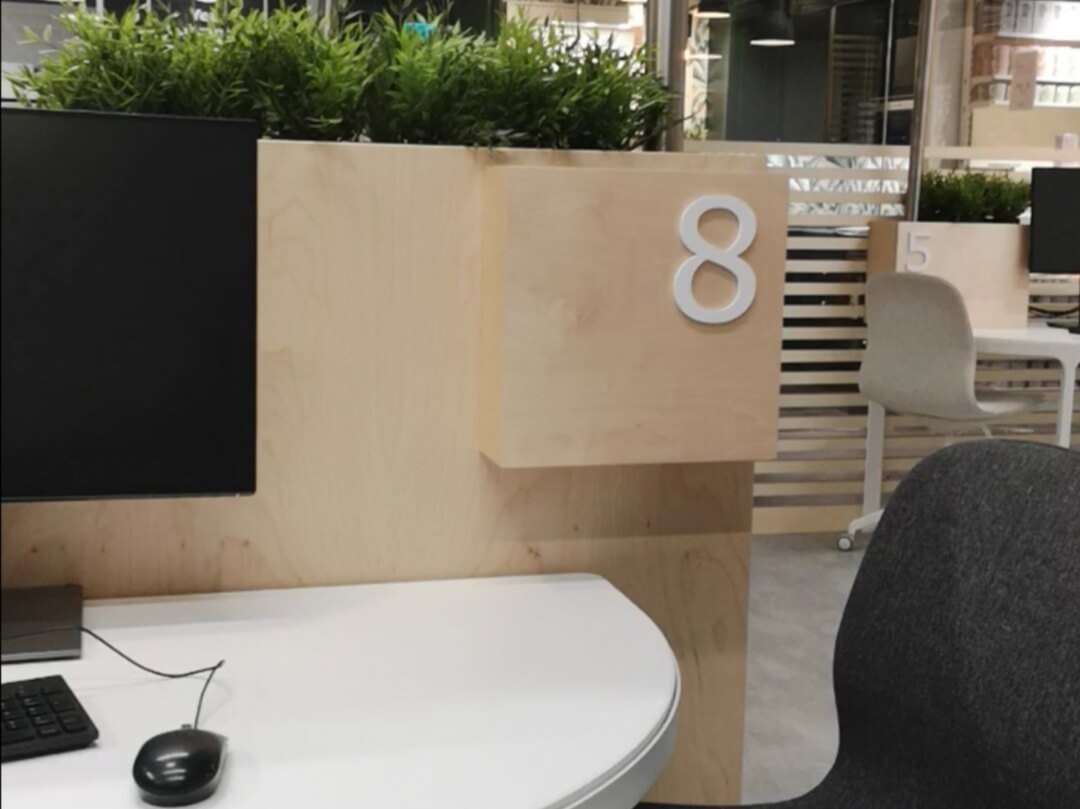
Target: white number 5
{"points": [[729, 259], [918, 244]]}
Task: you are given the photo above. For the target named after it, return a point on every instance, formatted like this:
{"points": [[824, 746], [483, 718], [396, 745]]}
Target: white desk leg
{"points": [[1065, 405], [875, 453]]}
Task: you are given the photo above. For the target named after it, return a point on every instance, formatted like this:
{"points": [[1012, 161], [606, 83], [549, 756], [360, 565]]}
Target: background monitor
{"points": [[128, 307], [1055, 211]]}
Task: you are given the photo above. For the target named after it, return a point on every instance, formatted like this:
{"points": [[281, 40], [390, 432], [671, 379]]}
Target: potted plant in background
{"points": [[967, 233], [975, 197]]}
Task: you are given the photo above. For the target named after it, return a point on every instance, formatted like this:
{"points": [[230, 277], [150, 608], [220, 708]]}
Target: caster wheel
{"points": [[845, 542]]}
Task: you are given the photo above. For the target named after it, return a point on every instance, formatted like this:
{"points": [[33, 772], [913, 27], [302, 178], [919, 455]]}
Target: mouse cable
{"points": [[210, 671]]}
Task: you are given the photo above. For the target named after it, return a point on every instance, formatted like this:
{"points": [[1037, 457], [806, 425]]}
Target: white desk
{"points": [[1033, 342], [1040, 342], [531, 692]]}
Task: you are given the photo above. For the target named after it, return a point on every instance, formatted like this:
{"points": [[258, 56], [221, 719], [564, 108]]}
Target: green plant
{"points": [[606, 99], [526, 86], [298, 76], [435, 85], [971, 197], [396, 80]]}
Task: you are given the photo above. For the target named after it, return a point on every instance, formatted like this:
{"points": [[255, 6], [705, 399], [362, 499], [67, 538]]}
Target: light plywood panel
{"points": [[1004, 154], [662, 161], [830, 173], [852, 197], [368, 469], [985, 262], [803, 149], [587, 359], [1018, 130], [803, 519]]}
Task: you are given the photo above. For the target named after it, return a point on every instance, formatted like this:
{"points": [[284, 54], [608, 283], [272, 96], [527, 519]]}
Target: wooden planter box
{"points": [[986, 262]]}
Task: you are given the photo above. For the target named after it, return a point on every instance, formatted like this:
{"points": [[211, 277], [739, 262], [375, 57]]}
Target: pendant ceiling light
{"points": [[713, 9], [773, 27]]}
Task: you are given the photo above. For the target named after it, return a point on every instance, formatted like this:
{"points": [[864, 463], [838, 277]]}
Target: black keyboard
{"points": [[42, 717]]}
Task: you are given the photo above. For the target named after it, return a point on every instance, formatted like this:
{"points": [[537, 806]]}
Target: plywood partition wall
{"points": [[368, 467]]}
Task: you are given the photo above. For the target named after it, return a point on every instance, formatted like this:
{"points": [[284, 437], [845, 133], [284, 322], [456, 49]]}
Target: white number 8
{"points": [[729, 259]]}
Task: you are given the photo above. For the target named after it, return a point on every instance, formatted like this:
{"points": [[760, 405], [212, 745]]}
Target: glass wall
{"points": [[844, 72], [804, 71], [1004, 35]]}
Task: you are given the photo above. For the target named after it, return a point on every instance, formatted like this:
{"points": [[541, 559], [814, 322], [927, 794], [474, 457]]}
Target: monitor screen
{"points": [[128, 306], [1055, 237]]}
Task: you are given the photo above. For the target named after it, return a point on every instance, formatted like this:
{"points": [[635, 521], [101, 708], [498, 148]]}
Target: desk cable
{"points": [[210, 671]]}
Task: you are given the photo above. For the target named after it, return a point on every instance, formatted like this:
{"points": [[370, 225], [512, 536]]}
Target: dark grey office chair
{"points": [[957, 668]]}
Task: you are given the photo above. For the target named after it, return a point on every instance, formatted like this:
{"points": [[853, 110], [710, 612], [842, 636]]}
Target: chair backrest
{"points": [[920, 352], [957, 667]]}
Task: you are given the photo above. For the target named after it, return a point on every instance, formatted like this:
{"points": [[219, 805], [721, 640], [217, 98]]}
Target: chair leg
{"points": [[875, 457], [872, 474]]}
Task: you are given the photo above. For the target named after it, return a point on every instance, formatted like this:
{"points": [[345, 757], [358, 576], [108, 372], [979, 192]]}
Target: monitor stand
{"points": [[33, 609]]}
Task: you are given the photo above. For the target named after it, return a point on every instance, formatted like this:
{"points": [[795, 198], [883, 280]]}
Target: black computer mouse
{"points": [[180, 767]]}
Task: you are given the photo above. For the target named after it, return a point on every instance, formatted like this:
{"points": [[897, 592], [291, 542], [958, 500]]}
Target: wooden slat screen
{"points": [[815, 484]]}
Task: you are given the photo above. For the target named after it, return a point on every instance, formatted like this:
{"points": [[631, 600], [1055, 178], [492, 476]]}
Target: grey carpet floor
{"points": [[798, 588]]}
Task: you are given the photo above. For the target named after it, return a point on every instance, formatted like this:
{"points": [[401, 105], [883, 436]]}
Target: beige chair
{"points": [[919, 360]]}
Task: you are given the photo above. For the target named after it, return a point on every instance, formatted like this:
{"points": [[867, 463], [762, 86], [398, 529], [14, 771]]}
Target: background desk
{"points": [[1040, 342], [531, 692]]}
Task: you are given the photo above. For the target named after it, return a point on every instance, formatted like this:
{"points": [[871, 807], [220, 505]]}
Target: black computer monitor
{"points": [[128, 307], [1054, 246], [1055, 210]]}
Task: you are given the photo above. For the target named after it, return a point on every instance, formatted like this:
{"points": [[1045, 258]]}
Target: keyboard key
{"points": [[72, 724], [61, 704], [38, 721], [8, 705], [33, 702], [48, 731], [7, 716], [16, 724], [17, 736], [39, 710], [52, 688], [27, 690]]}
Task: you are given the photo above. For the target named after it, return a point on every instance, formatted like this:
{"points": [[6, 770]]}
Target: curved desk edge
{"points": [[625, 788]]}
